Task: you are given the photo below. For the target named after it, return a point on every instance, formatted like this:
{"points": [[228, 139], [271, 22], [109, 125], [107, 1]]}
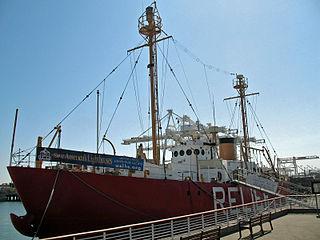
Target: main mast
{"points": [[241, 85], [150, 28]]}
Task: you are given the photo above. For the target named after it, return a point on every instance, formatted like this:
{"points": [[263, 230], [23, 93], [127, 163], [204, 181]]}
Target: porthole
{"points": [[202, 152], [181, 152], [189, 152], [196, 151], [175, 153]]}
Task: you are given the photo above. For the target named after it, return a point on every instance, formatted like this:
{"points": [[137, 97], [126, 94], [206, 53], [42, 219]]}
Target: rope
{"points": [[121, 96], [211, 97], [48, 203], [181, 88], [209, 194], [197, 59], [185, 76], [163, 78], [260, 125], [137, 95], [110, 198], [72, 110]]}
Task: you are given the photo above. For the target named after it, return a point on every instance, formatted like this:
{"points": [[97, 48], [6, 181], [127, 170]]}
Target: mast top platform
{"points": [[240, 82], [149, 23]]}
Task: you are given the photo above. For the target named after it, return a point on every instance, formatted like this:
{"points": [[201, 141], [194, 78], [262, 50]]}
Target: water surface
{"points": [[7, 231]]}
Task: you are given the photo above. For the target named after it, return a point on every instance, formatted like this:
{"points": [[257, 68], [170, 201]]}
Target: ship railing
{"points": [[171, 228], [293, 187]]}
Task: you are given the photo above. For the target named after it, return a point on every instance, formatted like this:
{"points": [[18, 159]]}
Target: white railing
{"points": [[170, 228]]}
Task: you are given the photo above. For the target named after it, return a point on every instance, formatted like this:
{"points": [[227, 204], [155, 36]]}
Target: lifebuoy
{"points": [[146, 172], [187, 178]]}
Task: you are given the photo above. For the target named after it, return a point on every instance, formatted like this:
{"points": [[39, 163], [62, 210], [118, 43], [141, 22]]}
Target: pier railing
{"points": [[171, 228]]}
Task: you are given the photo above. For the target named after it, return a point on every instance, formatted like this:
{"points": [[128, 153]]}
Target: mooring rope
{"points": [[110, 198], [48, 204]]}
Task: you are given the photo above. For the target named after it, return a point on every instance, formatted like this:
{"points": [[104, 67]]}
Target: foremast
{"points": [[149, 25], [150, 29]]}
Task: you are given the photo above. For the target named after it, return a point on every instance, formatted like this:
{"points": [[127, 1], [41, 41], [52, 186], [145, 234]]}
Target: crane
{"points": [[282, 162]]}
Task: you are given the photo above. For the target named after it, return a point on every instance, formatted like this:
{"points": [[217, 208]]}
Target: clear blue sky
{"points": [[52, 53]]}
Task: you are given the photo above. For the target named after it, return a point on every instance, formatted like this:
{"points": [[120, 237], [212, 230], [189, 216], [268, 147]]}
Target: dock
{"points": [[290, 226], [8, 193]]}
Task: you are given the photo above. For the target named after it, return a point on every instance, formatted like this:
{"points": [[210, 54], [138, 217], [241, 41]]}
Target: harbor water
{"points": [[7, 231]]}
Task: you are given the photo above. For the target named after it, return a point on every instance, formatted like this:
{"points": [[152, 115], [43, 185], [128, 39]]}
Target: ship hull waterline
{"points": [[84, 201]]}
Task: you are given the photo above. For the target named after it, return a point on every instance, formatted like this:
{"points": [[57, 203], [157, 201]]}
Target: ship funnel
{"points": [[227, 148]]}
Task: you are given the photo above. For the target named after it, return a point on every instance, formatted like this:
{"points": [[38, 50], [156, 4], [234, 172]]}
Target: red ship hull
{"points": [[86, 201]]}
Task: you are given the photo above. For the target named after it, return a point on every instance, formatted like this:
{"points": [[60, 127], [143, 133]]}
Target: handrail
{"points": [[190, 222]]}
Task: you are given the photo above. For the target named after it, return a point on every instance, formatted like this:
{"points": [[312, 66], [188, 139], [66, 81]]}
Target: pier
{"points": [[8, 193], [12, 197]]}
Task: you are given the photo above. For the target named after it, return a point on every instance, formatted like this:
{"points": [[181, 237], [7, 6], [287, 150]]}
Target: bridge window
{"points": [[196, 151], [175, 153]]}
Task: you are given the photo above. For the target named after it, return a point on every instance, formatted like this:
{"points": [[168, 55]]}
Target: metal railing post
{"points": [[202, 221], [188, 220], [152, 231], [227, 215], [130, 233], [274, 206], [104, 236], [215, 218], [172, 233], [246, 207], [237, 214]]}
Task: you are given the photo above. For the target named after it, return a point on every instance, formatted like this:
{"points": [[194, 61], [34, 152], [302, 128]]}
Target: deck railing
{"points": [[171, 228]]}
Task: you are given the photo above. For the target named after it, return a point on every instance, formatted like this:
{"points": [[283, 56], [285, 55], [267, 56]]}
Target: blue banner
{"points": [[86, 158]]}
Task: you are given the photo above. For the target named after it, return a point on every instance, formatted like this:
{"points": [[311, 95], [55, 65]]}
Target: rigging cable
{"points": [[181, 88], [136, 93], [184, 93], [86, 97], [211, 97], [185, 76], [163, 77], [122, 94], [232, 115], [259, 124], [197, 59]]}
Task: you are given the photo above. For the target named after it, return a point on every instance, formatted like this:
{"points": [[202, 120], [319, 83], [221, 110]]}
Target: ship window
{"points": [[196, 151], [202, 152], [175, 153], [181, 152], [189, 152]]}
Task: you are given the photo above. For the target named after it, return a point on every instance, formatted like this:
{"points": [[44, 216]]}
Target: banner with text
{"points": [[86, 158]]}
